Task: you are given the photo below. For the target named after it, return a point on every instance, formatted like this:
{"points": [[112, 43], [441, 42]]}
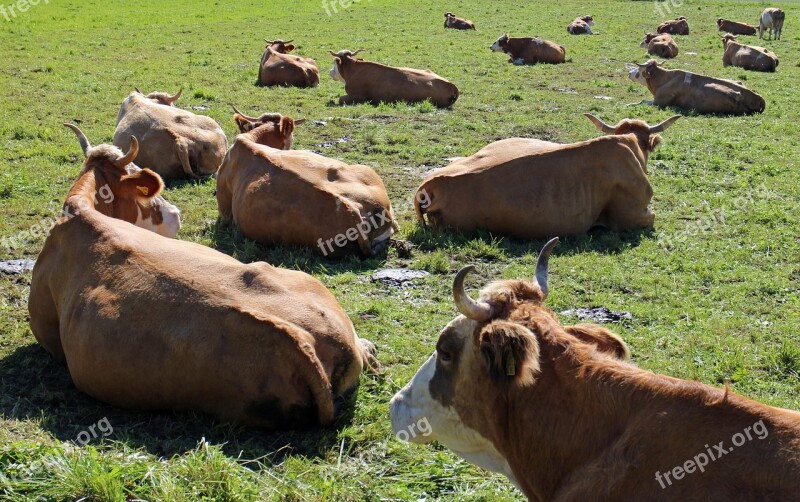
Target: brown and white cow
{"points": [[457, 23], [365, 81], [531, 189], [662, 45], [749, 57], [581, 26], [278, 67], [172, 142], [147, 322], [735, 27], [565, 417], [690, 91], [525, 50], [125, 191], [771, 19], [276, 195], [679, 26]]}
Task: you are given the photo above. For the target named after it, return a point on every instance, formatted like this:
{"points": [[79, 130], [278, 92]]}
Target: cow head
{"points": [[449, 15], [646, 135], [641, 72], [339, 58], [280, 46], [588, 20], [114, 186], [270, 129], [720, 22], [648, 37], [162, 98], [728, 37], [500, 44], [498, 350]]}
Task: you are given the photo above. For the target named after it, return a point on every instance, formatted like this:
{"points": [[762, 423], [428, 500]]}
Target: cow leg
{"points": [[346, 100]]}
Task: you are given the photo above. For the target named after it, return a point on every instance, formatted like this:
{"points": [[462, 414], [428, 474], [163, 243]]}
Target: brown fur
{"points": [[749, 57], [581, 26], [278, 67], [457, 23], [679, 26], [735, 27], [661, 45], [532, 50]]}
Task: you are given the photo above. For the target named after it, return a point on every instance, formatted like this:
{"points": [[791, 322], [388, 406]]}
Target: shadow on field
{"points": [[36, 387]]}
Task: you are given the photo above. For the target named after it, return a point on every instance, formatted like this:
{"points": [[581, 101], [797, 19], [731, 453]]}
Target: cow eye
{"points": [[444, 356]]}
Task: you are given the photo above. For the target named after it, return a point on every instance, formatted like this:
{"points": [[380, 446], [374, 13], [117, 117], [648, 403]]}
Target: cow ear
{"points": [[243, 124], [288, 48], [144, 183], [510, 352], [286, 126], [606, 341]]}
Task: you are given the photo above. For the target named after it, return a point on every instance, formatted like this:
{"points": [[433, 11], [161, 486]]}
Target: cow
{"points": [[771, 19], [581, 26], [365, 81], [276, 195], [457, 23], [524, 50], [150, 323], [530, 189], [662, 45], [691, 91], [679, 26], [749, 57], [174, 143], [278, 67], [560, 412], [735, 27], [119, 194]]}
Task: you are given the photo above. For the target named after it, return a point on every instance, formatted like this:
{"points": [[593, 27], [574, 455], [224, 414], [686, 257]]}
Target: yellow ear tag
{"points": [[511, 366], [145, 191]]}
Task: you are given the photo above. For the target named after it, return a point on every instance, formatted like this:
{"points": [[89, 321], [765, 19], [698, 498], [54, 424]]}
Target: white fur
{"points": [[335, 73]]}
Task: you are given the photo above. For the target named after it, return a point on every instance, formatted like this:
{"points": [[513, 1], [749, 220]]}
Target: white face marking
{"points": [[414, 405], [637, 76], [496, 46], [335, 73]]}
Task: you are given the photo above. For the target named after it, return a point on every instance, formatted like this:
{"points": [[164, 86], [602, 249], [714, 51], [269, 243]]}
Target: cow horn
{"points": [[175, 97], [541, 266], [663, 125], [137, 90], [289, 41], [599, 124], [251, 119], [359, 50], [269, 41], [334, 54], [475, 310], [131, 155], [85, 145]]}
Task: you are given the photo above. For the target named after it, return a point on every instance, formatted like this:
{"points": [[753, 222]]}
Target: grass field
{"points": [[712, 289]]}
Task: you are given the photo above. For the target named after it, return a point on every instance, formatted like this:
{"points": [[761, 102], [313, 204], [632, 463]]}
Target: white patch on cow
{"points": [[170, 225], [519, 61], [335, 74], [496, 46], [637, 76], [414, 404]]}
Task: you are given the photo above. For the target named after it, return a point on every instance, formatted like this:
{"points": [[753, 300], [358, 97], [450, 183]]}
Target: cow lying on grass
{"points": [[118, 194], [174, 143], [679, 26], [524, 50], [749, 57], [147, 322], [735, 27], [278, 67], [298, 197], [457, 23], [662, 45], [690, 91], [531, 189], [560, 412], [581, 26], [365, 81]]}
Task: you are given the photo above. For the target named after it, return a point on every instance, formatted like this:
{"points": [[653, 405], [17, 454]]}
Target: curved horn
{"points": [[663, 125], [289, 41], [137, 90], [269, 41], [85, 145], [477, 311], [541, 265], [175, 97], [359, 50], [599, 124], [131, 155], [641, 65], [251, 119], [333, 53]]}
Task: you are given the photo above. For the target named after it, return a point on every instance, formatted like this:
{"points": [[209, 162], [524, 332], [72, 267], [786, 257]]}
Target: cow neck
{"points": [[577, 410], [84, 189]]}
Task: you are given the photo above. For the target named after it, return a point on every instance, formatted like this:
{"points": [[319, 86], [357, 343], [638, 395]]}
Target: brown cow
{"points": [[365, 81], [691, 91], [749, 57], [278, 67], [147, 322], [532, 189], [172, 142], [662, 45], [735, 27], [299, 197], [125, 191], [457, 23], [561, 413], [679, 26], [771, 19], [525, 50], [581, 26]]}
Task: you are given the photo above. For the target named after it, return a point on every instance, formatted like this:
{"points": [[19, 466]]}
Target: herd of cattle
{"points": [[150, 322]]}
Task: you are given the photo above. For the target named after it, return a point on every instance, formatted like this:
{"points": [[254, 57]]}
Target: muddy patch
{"points": [[398, 277], [16, 267], [602, 315]]}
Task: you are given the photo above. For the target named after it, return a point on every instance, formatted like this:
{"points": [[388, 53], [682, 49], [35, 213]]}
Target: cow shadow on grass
{"points": [[35, 387]]}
